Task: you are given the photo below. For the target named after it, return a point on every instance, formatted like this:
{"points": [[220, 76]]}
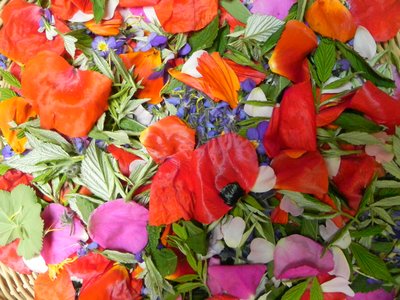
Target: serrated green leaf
{"points": [[81, 206], [392, 168], [358, 138], [369, 263], [165, 261], [188, 286], [204, 38], [51, 137], [388, 202], [309, 228], [260, 28], [360, 65], [369, 231], [383, 215], [307, 201], [9, 78], [325, 59], [385, 184], [316, 291], [295, 293], [6, 93], [354, 122], [236, 9], [123, 258]]}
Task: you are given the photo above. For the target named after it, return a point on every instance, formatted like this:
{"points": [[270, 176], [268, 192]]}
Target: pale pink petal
{"points": [[111, 5], [342, 268], [364, 43], [81, 17], [337, 285], [119, 225], [290, 206], [381, 154], [151, 14], [64, 233], [328, 231], [143, 116], [233, 231], [238, 280], [276, 8], [261, 251], [380, 294], [190, 66], [36, 264], [297, 256], [266, 180], [333, 165]]}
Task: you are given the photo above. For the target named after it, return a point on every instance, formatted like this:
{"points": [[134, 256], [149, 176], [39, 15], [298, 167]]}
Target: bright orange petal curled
{"points": [[332, 19], [66, 99], [18, 110], [289, 56], [106, 27]]}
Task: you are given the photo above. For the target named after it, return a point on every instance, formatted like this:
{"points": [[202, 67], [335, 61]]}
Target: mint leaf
{"points": [[360, 65], [325, 59], [236, 9], [204, 38], [20, 219], [260, 28], [296, 292]]}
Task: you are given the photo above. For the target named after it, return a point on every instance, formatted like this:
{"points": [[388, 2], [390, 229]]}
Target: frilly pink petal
{"points": [[240, 281], [297, 256], [62, 239], [276, 8], [119, 225]]}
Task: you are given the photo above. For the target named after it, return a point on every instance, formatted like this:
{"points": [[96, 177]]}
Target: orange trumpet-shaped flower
{"points": [[332, 19], [289, 56], [167, 137], [218, 80], [20, 39], [19, 110], [66, 99], [106, 27], [178, 16], [146, 64]]}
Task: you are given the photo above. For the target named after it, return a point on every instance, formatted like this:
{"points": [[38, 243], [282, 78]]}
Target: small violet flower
{"points": [[46, 24], [3, 62], [7, 152], [185, 50], [104, 45]]}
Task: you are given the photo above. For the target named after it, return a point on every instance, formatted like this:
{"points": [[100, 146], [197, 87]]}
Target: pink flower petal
{"points": [[290, 206], [119, 225], [62, 239], [276, 8], [380, 294], [297, 256], [261, 251], [266, 180], [233, 231], [240, 281]]}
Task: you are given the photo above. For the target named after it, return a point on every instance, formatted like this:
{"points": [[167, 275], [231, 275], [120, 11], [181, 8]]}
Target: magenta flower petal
{"points": [[239, 281], [297, 256], [380, 294], [64, 232], [119, 225], [276, 8]]}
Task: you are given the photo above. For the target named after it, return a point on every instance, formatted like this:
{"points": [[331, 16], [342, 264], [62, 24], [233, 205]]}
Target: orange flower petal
{"points": [[66, 99], [167, 137], [19, 37], [18, 110], [332, 19], [219, 81], [289, 56], [177, 16], [244, 72], [59, 289], [137, 3], [106, 27]]}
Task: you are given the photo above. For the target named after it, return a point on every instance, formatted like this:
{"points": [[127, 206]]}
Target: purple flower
{"points": [[185, 50], [248, 85], [159, 41], [3, 62], [7, 152], [257, 134], [103, 45], [380, 294]]}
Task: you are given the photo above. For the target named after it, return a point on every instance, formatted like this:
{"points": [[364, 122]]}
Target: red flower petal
{"points": [[13, 178], [59, 289], [9, 257], [289, 56], [145, 65], [124, 158], [177, 16], [137, 3], [306, 174], [332, 19], [66, 99], [380, 17], [167, 137], [244, 72], [19, 37], [279, 216], [355, 174], [377, 105], [290, 129]]}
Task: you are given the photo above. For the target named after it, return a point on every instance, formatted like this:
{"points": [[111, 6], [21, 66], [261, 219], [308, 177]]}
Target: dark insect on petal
{"points": [[231, 193]]}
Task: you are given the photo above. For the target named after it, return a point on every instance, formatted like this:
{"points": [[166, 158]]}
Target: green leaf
{"points": [[383, 214], [369, 231], [260, 28], [301, 8], [340, 82], [388, 202], [98, 9], [295, 293], [84, 41], [9, 78], [325, 59], [368, 196], [102, 65], [6, 93], [81, 206], [20, 218], [392, 168], [179, 231], [385, 184], [197, 238], [309, 228], [369, 263], [271, 42], [360, 65], [204, 38], [188, 286], [316, 291], [354, 122], [236, 9], [98, 174], [3, 169], [132, 125], [51, 137], [306, 201], [358, 138], [123, 258], [165, 261]]}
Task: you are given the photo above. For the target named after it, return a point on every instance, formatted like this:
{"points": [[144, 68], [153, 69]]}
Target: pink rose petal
{"points": [[119, 225], [62, 239], [276, 8], [297, 256]]}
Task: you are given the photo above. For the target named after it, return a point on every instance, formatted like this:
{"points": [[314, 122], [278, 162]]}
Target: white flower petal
{"points": [[258, 111], [36, 264], [333, 165], [142, 115], [151, 14], [137, 163], [337, 285], [233, 231], [328, 231], [261, 251], [266, 180], [341, 268], [345, 87], [364, 43], [81, 17], [290, 206], [111, 5], [190, 66]]}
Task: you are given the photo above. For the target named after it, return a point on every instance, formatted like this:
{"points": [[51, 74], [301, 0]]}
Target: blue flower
{"points": [[7, 152], [257, 135], [47, 24], [248, 85], [185, 50], [3, 62], [159, 41], [103, 45]]}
